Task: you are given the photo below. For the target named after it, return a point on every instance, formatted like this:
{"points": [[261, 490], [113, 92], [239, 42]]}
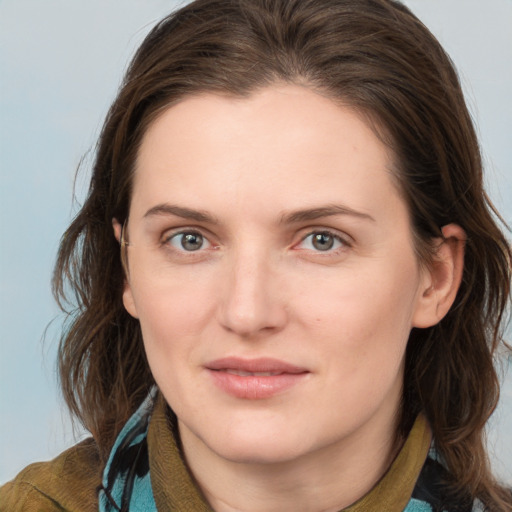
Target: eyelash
{"points": [[168, 237]]}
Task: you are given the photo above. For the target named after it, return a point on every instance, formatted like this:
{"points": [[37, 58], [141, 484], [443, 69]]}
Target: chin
{"points": [[254, 443], [254, 452]]}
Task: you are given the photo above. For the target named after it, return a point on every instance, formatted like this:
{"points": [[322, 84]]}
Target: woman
{"points": [[290, 283]]}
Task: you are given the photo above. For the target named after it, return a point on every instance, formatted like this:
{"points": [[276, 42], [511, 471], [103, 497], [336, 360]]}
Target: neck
{"points": [[328, 479]]}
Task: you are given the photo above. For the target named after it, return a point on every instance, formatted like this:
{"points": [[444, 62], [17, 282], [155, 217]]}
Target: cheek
{"points": [[169, 316], [171, 321], [174, 315], [363, 317]]}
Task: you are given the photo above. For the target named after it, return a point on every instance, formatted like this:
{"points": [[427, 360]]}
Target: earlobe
{"points": [[442, 278], [128, 301], [116, 225]]}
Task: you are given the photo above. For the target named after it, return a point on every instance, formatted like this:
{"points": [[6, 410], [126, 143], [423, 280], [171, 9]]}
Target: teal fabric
{"points": [[116, 482], [417, 506]]}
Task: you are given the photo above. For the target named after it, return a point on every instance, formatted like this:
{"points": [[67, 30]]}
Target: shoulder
{"points": [[68, 482]]}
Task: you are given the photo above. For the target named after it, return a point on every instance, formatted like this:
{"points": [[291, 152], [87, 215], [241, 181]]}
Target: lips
{"points": [[254, 379], [242, 373]]}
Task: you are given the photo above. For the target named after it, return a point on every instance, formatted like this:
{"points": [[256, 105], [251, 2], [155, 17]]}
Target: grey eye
{"points": [[322, 241], [188, 241]]}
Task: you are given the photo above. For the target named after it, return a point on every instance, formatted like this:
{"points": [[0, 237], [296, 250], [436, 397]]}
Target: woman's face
{"points": [[272, 268]]}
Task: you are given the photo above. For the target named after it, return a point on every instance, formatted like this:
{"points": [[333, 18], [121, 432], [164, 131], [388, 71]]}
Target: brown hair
{"points": [[376, 56]]}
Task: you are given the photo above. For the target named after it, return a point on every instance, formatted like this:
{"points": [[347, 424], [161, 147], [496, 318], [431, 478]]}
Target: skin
{"points": [[259, 287]]}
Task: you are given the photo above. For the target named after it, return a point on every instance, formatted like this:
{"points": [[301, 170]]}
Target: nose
{"points": [[252, 301]]}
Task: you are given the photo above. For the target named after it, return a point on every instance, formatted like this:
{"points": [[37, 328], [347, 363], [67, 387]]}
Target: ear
{"points": [[442, 278], [116, 225], [128, 301]]}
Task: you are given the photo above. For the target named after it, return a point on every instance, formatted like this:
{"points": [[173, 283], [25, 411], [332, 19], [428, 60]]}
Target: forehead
{"points": [[284, 142]]}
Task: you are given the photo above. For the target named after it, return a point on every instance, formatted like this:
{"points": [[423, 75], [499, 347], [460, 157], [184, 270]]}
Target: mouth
{"points": [[242, 373], [254, 379]]}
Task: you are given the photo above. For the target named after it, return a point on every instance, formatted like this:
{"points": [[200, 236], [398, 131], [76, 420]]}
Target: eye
{"points": [[322, 241], [189, 241]]}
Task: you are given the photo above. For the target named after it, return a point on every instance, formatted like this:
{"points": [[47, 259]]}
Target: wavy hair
{"points": [[375, 56]]}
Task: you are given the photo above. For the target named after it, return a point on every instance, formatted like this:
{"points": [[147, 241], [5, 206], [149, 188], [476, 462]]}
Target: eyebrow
{"points": [[180, 211], [324, 211], [287, 218]]}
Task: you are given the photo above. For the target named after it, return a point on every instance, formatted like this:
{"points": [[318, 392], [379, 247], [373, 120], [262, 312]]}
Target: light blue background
{"points": [[60, 65]]}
